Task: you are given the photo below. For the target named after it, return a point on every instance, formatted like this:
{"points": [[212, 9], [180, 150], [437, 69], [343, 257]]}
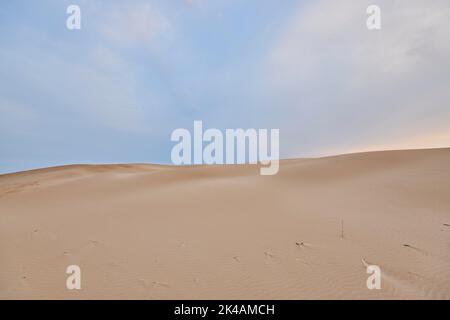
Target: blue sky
{"points": [[116, 89]]}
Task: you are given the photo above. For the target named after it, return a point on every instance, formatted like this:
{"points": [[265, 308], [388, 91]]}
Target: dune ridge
{"points": [[143, 231]]}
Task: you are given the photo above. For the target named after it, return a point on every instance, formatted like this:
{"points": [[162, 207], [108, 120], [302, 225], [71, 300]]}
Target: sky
{"points": [[113, 91]]}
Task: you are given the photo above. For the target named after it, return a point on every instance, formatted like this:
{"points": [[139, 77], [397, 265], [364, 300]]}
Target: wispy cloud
{"points": [[345, 87], [134, 24], [114, 90]]}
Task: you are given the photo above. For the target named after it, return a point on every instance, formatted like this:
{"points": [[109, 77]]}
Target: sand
{"points": [[225, 232]]}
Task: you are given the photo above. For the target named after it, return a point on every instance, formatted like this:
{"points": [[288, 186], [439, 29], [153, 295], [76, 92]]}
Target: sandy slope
{"points": [[144, 231]]}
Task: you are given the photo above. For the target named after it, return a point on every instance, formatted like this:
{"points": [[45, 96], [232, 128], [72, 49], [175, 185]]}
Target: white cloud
{"points": [[344, 86], [134, 24]]}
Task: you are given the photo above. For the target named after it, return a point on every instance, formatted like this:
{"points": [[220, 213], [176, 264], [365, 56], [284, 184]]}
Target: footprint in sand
{"points": [[160, 284], [302, 244], [146, 284], [24, 281]]}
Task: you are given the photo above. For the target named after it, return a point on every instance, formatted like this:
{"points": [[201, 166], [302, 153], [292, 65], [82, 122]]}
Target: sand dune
{"points": [[160, 232]]}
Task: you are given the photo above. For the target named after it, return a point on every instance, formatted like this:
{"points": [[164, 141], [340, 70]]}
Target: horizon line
{"points": [[215, 164]]}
